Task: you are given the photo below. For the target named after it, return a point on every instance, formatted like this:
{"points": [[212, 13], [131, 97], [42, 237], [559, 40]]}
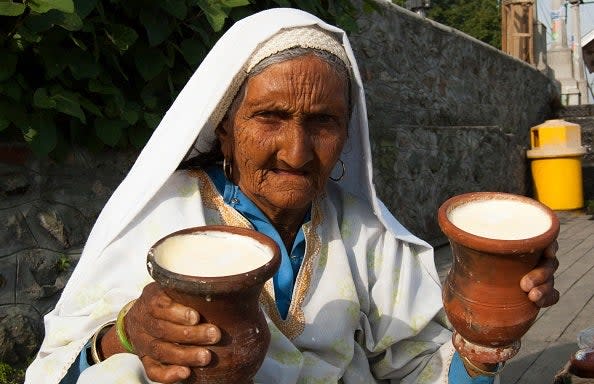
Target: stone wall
{"points": [[47, 210], [584, 116], [447, 113]]}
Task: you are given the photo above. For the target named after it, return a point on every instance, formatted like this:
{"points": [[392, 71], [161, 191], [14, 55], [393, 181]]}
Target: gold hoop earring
{"points": [[227, 169], [342, 174]]}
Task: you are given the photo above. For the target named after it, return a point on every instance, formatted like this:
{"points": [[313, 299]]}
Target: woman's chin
{"points": [[290, 200]]}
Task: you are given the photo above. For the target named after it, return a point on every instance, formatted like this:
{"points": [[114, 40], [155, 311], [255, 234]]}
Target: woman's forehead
{"points": [[306, 76]]}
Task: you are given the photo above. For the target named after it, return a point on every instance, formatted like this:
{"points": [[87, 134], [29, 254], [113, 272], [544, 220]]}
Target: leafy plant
{"points": [[98, 73], [10, 375], [63, 263], [480, 19]]}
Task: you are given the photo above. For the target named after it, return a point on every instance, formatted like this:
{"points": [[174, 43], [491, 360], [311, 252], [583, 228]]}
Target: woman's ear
{"points": [[224, 135]]}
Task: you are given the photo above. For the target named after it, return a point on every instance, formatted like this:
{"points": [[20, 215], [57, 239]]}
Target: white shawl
{"points": [[191, 120]]}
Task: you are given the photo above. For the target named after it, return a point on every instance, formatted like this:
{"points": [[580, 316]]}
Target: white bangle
{"points": [[102, 330]]}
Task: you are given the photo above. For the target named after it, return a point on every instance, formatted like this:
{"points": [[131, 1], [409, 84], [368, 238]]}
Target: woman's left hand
{"points": [[539, 283]]}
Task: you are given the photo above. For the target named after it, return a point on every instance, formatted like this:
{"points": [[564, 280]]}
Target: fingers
{"points": [[544, 295], [201, 334], [162, 307], [539, 283], [541, 274], [168, 336], [544, 299], [175, 354], [162, 373], [551, 251]]}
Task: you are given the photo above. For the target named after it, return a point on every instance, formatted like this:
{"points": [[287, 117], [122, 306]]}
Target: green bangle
{"points": [[121, 328]]}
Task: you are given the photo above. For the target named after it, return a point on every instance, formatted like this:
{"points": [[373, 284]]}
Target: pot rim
{"points": [[260, 274], [495, 246]]}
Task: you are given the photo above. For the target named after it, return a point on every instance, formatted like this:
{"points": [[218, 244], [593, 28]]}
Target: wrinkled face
{"points": [[287, 133]]}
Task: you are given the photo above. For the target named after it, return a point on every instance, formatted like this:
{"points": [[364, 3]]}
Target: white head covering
{"points": [[192, 120]]}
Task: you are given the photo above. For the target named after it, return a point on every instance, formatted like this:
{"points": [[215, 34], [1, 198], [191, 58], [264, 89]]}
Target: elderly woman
{"points": [[270, 133]]}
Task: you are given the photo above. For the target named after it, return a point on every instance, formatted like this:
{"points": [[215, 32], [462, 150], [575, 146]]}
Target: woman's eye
{"points": [[270, 115], [321, 119]]}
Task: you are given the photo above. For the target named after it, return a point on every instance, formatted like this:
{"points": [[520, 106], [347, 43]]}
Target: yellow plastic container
{"points": [[556, 164]]}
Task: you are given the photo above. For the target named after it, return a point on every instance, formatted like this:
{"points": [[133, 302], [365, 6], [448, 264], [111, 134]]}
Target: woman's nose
{"points": [[296, 148]]}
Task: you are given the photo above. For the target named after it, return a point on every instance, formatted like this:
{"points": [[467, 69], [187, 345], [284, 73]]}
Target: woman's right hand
{"points": [[168, 337]]}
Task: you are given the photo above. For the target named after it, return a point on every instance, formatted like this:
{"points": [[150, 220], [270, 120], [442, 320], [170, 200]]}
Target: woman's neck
{"points": [[287, 225]]}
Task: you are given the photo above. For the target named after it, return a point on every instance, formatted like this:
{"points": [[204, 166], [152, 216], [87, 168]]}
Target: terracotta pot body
{"points": [[482, 295], [229, 302], [582, 363]]}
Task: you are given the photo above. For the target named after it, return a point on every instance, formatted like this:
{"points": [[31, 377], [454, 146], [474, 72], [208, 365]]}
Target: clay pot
{"points": [[582, 363], [482, 295], [231, 303]]}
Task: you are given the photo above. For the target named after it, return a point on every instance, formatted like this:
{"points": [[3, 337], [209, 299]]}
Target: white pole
{"points": [[577, 57]]}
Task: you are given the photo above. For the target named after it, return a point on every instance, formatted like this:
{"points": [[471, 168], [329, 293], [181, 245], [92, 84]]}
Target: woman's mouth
{"points": [[289, 172]]}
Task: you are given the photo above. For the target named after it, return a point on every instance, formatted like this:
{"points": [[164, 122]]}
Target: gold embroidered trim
{"points": [[294, 324], [213, 200]]}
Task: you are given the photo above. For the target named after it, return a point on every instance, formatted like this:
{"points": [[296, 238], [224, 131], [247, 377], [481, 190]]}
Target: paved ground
{"points": [[552, 339]]}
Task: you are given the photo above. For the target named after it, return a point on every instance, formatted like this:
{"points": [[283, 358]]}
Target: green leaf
{"points": [[54, 60], [67, 102], [193, 51], [152, 120], [97, 86], [347, 22], [41, 134], [70, 22], [156, 25], [176, 8], [78, 42], [239, 13], [41, 99], [282, 3], [123, 37], [84, 7], [8, 65], [109, 131], [12, 89], [169, 54], [139, 135], [234, 3], [42, 6], [148, 97], [90, 106], [149, 62], [131, 113], [214, 13], [83, 65], [113, 108], [206, 35], [116, 64], [42, 22], [9, 8], [24, 36]]}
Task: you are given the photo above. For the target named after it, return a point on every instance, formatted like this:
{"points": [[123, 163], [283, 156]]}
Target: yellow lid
{"points": [[555, 138]]}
